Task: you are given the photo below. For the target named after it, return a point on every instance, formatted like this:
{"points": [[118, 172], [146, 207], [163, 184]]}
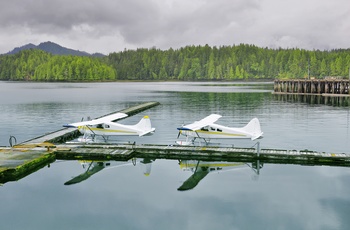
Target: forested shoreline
{"points": [[190, 63]]}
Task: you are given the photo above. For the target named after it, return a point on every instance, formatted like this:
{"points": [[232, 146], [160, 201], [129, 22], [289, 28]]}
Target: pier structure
{"points": [[20, 161], [324, 87], [124, 152]]}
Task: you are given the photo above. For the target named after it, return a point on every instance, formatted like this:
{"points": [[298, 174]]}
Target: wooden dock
{"points": [[27, 157], [20, 161], [206, 153], [333, 87]]}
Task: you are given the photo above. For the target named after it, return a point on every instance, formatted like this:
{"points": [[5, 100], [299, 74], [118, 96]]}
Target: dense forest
{"points": [[38, 65], [190, 63]]}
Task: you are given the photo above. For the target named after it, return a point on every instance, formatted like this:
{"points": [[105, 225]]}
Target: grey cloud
{"points": [[319, 24], [65, 14], [203, 23]]}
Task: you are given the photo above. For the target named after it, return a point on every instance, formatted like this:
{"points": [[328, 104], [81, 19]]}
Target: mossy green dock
{"points": [[16, 163]]}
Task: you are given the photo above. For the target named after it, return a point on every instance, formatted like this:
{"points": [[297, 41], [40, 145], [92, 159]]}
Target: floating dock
{"points": [[324, 87], [29, 156], [206, 153], [16, 163]]}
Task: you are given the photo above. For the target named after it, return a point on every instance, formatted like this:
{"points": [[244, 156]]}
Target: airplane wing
{"points": [[112, 117], [105, 119], [202, 123]]}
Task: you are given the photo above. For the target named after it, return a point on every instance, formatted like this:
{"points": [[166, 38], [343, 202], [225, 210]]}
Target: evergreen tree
{"points": [[241, 62]]}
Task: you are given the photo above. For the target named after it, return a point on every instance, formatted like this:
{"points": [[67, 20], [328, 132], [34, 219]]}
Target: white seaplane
{"points": [[206, 129], [106, 126]]}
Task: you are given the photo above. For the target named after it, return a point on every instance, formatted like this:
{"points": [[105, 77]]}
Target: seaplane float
{"points": [[206, 129]]}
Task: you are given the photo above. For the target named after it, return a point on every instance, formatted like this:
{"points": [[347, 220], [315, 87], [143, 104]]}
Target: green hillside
{"points": [[190, 63]]}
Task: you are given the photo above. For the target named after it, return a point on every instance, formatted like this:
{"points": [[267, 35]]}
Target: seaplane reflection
{"points": [[93, 167], [201, 169]]}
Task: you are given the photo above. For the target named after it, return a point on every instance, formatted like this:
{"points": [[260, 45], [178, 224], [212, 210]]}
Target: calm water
{"points": [[122, 196]]}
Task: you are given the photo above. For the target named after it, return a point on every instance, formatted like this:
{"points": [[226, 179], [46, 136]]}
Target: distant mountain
{"points": [[25, 47], [55, 49]]}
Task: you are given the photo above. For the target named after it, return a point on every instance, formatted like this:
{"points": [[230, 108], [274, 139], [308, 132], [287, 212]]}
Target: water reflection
{"points": [[93, 167], [201, 169]]}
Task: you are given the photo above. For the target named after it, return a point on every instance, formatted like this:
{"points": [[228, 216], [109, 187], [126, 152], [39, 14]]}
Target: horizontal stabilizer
{"points": [[147, 132]]}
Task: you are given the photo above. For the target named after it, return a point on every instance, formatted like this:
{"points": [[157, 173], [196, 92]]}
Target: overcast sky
{"points": [[114, 25]]}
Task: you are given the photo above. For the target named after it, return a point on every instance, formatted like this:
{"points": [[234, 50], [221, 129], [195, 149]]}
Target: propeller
{"points": [[178, 135]]}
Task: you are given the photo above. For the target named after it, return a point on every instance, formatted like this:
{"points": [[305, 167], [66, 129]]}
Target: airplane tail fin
{"points": [[254, 129], [145, 126]]}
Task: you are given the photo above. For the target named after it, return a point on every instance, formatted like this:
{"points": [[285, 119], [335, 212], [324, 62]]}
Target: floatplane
{"points": [[107, 126], [206, 129]]}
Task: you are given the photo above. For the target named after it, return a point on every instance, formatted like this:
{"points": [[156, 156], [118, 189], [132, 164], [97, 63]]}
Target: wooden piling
{"points": [[312, 87]]}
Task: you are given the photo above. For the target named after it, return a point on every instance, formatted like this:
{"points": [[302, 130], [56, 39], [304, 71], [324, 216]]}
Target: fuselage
{"points": [[110, 130], [215, 131]]}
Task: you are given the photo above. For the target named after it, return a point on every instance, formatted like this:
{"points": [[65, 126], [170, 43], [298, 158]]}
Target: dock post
{"points": [[258, 149], [319, 88], [300, 87], [313, 87], [275, 86], [341, 87]]}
